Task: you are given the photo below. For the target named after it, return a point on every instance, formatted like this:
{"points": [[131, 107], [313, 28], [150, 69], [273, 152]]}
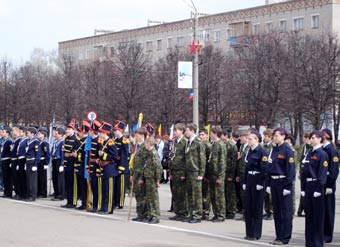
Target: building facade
{"points": [[223, 30]]}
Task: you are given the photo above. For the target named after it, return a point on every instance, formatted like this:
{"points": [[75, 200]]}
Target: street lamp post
{"points": [[195, 70]]}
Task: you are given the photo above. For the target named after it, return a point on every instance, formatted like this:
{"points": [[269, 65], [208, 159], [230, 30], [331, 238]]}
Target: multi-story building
{"points": [[222, 30]]}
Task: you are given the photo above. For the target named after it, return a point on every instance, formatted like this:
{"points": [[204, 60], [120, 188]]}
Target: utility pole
{"points": [[195, 70]]}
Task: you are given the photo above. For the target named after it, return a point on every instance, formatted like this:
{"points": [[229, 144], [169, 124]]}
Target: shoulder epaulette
{"points": [[125, 141], [110, 142], [100, 141]]}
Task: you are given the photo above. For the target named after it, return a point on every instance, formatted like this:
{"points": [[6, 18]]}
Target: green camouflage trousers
{"points": [[151, 199], [217, 197], [206, 197], [179, 193], [139, 191], [194, 190], [230, 198]]}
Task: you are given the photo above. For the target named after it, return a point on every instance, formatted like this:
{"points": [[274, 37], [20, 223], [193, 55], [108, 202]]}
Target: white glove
{"points": [[34, 168], [199, 178], [303, 193], [259, 187], [286, 192], [268, 190], [25, 168], [45, 167], [10, 165], [329, 191], [316, 194], [61, 168], [244, 186], [17, 168]]}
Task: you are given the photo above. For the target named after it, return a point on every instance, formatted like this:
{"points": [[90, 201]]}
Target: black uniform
{"points": [[108, 164], [32, 162], [95, 174], [313, 180], [58, 178], [122, 146], [42, 168], [6, 167], [256, 168], [79, 170], [281, 177], [22, 184], [332, 175], [15, 166], [71, 144]]}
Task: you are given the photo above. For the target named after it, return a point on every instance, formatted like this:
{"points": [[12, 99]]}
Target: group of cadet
{"points": [[99, 184], [205, 174], [216, 172]]}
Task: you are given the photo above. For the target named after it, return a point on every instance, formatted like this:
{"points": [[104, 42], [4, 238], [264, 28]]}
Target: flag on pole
{"points": [[138, 124], [87, 149], [160, 129], [207, 127]]}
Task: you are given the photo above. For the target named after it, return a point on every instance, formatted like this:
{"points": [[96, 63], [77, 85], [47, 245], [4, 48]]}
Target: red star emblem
{"points": [[193, 47]]}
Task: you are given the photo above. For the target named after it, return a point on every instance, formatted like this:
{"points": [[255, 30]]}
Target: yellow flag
{"points": [[160, 129], [140, 119], [207, 127]]}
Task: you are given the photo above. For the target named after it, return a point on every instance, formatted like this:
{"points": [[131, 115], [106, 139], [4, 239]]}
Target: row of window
{"points": [[298, 23]]}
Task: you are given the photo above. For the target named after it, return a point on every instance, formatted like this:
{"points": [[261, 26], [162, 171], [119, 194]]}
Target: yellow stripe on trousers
{"points": [[75, 189], [110, 194], [122, 192], [99, 193]]}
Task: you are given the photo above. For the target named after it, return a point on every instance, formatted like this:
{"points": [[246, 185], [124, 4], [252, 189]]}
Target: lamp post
{"points": [[195, 70]]}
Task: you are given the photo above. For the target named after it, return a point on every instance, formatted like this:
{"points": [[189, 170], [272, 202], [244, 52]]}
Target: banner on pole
{"points": [[184, 74]]}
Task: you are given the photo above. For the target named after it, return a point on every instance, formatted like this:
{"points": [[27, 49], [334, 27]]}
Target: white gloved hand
{"points": [[316, 194], [17, 168], [259, 187], [329, 191], [61, 168], [268, 190], [244, 186], [25, 168], [45, 167], [303, 193], [286, 192], [34, 168], [10, 165]]}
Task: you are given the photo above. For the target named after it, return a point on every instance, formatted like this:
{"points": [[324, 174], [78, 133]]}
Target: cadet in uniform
{"points": [[44, 148], [6, 162], [14, 160], [122, 146], [268, 205], [58, 177], [256, 167], [152, 173], [215, 170], [231, 159], [79, 165], [108, 163], [240, 169], [32, 162], [71, 144], [195, 162], [21, 153], [330, 188], [313, 181], [94, 169], [136, 173], [281, 178], [177, 173], [203, 134], [305, 149]]}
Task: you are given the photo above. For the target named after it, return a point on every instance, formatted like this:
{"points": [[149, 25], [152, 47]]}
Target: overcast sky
{"points": [[26, 25]]}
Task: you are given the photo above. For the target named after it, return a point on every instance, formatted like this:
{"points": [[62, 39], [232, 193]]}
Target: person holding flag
{"points": [[79, 164], [122, 146], [108, 163]]}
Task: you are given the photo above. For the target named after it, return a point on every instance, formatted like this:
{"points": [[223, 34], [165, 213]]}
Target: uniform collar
{"points": [[317, 147], [325, 144]]}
